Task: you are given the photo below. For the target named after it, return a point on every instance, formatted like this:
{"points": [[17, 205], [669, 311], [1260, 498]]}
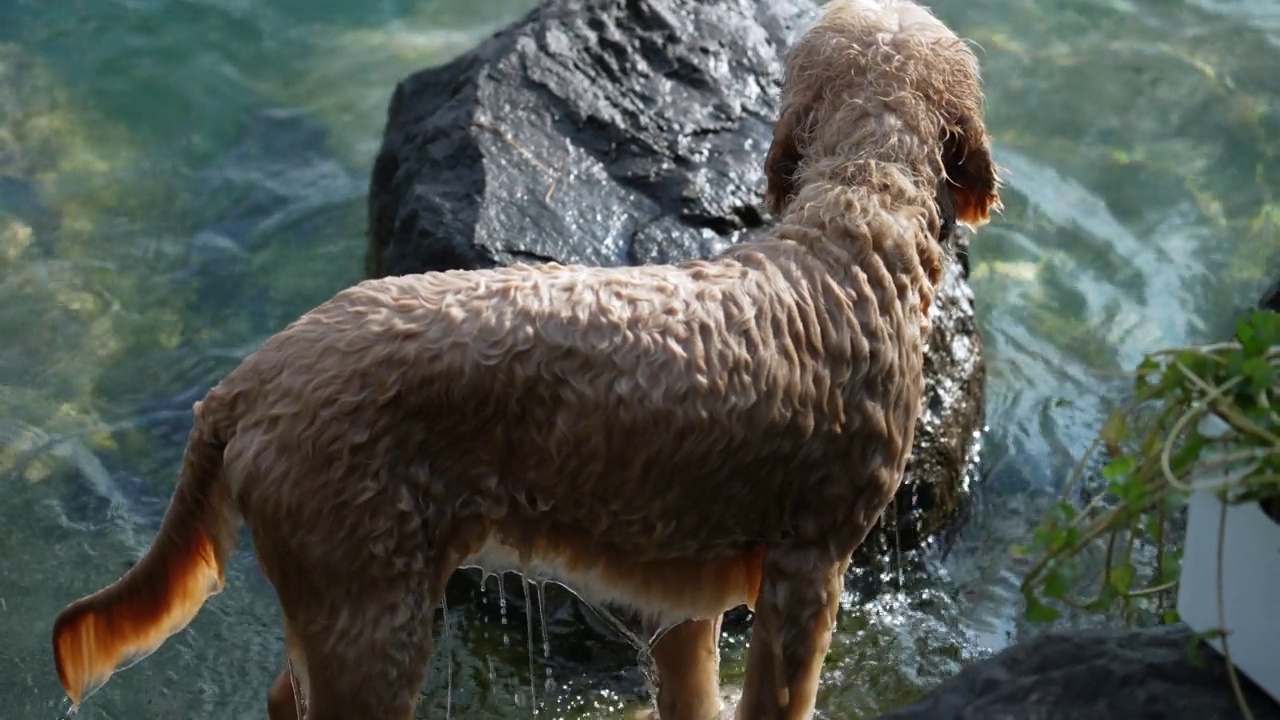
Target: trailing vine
{"points": [[1200, 416]]}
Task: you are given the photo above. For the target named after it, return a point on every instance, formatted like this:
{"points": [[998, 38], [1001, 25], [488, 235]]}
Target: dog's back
{"points": [[660, 413]]}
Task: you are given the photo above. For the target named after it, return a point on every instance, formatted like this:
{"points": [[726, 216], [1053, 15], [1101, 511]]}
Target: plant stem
{"points": [[1222, 618]]}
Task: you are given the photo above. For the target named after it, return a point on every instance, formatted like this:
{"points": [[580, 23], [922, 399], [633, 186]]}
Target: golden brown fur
{"points": [[683, 439]]}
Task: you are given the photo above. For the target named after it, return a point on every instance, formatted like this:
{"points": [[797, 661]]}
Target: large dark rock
{"points": [[1271, 298], [615, 132], [1093, 675]]}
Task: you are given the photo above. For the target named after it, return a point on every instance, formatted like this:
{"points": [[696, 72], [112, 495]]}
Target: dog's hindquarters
{"points": [[358, 557]]}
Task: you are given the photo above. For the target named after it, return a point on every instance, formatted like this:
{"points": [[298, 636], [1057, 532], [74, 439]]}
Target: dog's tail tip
{"points": [[121, 624]]}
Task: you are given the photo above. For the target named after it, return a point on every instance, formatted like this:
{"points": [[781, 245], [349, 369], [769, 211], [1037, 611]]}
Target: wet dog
{"points": [[681, 439]]}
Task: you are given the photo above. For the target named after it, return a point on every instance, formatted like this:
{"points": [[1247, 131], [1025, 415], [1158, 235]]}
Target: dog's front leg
{"points": [[794, 616], [688, 660]]}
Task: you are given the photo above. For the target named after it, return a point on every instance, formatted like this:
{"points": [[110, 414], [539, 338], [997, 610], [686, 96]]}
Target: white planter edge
{"points": [[1250, 583]]}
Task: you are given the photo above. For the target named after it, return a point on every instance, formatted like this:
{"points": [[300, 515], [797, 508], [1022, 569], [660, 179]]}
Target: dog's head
{"points": [[885, 77]]}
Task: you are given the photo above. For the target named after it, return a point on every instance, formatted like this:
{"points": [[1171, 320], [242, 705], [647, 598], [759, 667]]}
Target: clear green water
{"points": [[181, 178]]}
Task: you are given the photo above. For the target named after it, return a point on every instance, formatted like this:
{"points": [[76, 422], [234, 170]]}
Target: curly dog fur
{"points": [[682, 439]]}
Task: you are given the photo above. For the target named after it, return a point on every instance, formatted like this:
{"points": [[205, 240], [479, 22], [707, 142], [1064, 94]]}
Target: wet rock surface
{"points": [[1271, 298], [608, 133], [1093, 675]]}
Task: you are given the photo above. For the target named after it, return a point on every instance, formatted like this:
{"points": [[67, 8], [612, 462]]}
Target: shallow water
{"points": [[180, 178]]}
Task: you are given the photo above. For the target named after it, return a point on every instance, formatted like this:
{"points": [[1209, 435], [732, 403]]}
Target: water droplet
{"points": [[542, 617], [502, 598]]}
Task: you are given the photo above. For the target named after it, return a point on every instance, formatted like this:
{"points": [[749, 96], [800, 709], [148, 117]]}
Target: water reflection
{"points": [[180, 178]]}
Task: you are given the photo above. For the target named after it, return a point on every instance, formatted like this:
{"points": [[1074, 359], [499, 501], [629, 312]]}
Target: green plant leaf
{"points": [[1148, 373], [1039, 613], [1115, 432], [1107, 596], [1048, 536], [1154, 527], [1121, 578], [1267, 325], [1119, 468], [1056, 584], [1260, 373], [1258, 332], [1171, 568], [1071, 537], [1193, 646]]}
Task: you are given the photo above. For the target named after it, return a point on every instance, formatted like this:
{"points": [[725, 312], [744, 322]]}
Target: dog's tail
{"points": [[129, 619]]}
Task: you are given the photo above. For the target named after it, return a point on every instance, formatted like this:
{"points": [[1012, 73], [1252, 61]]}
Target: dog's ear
{"points": [[784, 157], [971, 174], [944, 196]]}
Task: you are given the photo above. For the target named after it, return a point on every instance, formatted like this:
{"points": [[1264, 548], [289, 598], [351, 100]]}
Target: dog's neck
{"points": [[870, 201], [845, 212]]}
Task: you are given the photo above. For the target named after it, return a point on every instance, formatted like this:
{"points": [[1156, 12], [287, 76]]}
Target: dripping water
{"points": [[296, 687], [546, 643], [448, 666], [502, 608], [644, 649], [897, 545], [528, 621]]}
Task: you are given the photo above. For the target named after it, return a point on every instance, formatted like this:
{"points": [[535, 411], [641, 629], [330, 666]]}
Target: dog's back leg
{"points": [[359, 602], [794, 616], [287, 693], [688, 660], [367, 652], [283, 701]]}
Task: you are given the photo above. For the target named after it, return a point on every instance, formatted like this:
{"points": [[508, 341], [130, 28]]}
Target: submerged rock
{"points": [[608, 133], [1093, 675]]}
